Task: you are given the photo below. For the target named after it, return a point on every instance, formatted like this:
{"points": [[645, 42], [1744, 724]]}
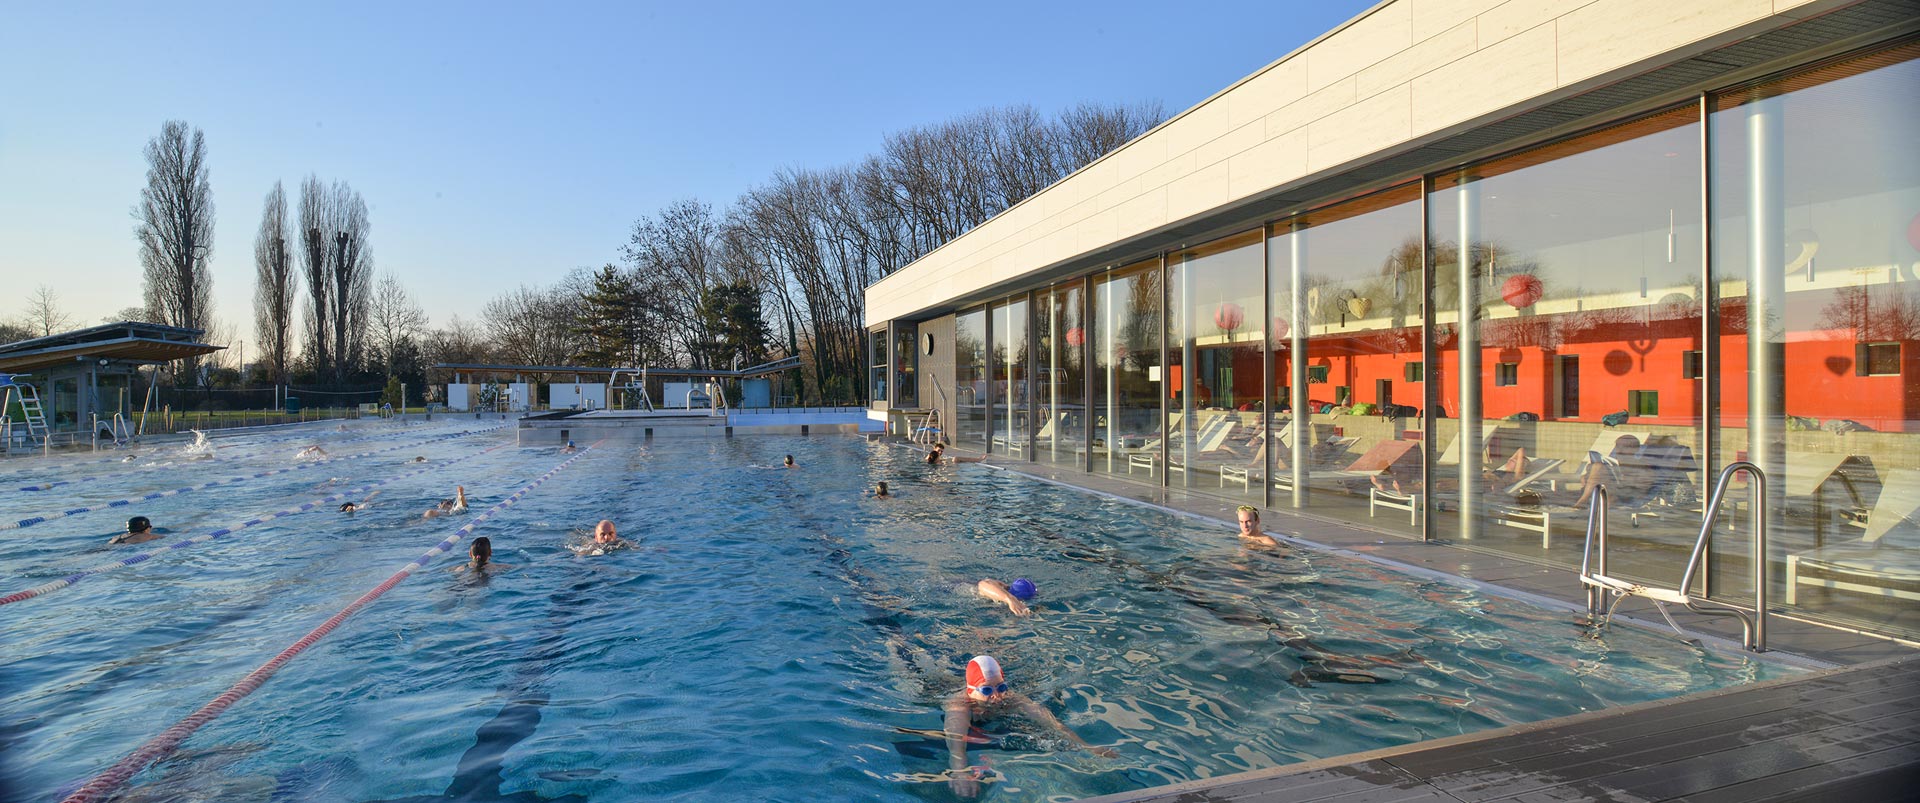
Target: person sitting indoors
{"points": [[449, 507], [480, 558], [1250, 532], [349, 507], [987, 698], [1621, 462], [1014, 594], [311, 451], [606, 538], [139, 531]]}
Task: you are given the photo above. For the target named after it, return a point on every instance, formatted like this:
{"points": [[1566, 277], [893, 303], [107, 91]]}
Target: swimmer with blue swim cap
{"points": [[987, 697], [1015, 595], [568, 449]]}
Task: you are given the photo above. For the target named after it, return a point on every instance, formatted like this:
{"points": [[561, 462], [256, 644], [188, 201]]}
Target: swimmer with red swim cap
{"points": [[987, 697], [1014, 594]]}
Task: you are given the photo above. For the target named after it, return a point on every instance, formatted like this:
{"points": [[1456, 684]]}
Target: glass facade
{"points": [[970, 387], [906, 365], [1816, 209], [1060, 374], [1214, 375], [1345, 290], [1468, 355], [1128, 422], [1010, 407], [1567, 292]]}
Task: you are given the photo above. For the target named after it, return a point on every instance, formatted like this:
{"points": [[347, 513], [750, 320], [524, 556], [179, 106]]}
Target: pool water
{"points": [[776, 635]]}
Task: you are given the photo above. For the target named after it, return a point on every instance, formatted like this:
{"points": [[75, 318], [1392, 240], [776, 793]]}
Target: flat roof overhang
{"points": [[758, 370], [126, 342], [1671, 78]]}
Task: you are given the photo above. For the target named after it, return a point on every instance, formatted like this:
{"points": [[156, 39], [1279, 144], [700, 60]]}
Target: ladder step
{"points": [[1632, 588]]}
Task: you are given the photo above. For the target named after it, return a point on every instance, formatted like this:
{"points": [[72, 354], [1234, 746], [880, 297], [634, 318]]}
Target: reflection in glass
{"points": [[1060, 377], [1213, 363], [1817, 212], [906, 365], [1011, 360], [970, 388], [1126, 328], [1345, 285], [1564, 327]]}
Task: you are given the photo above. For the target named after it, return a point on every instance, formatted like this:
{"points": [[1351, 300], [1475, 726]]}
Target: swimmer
{"points": [[606, 538], [1250, 531], [480, 558], [1015, 594], [568, 449], [939, 452], [987, 697], [790, 463], [880, 492], [349, 507], [129, 458], [418, 459], [311, 451], [448, 507], [139, 531]]}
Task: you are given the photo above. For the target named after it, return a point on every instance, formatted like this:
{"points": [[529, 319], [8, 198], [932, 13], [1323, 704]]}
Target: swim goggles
{"points": [[989, 691]]}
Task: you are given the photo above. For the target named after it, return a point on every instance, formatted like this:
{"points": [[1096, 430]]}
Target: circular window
{"points": [[926, 343]]}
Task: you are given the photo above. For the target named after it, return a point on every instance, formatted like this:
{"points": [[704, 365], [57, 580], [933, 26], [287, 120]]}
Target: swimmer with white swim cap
{"points": [[1014, 594], [987, 697]]}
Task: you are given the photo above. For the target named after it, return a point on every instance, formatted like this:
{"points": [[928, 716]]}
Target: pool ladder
{"points": [[1605, 592]]}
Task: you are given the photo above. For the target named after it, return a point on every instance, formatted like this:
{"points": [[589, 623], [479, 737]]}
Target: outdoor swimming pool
{"points": [[777, 635]]}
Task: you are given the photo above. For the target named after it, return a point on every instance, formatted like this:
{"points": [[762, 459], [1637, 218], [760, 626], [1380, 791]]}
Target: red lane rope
{"points": [[163, 744]]}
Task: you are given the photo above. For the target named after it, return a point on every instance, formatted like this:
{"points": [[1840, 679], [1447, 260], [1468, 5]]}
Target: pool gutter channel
{"points": [[1708, 641]]}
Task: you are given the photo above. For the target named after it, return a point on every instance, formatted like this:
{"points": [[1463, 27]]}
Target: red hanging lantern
{"points": [[1280, 330], [1076, 337], [1913, 232], [1522, 290], [1229, 316]]}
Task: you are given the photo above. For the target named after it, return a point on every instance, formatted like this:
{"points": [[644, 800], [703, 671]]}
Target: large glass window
{"points": [[1816, 199], [1060, 383], [877, 366], [1011, 405], [906, 365], [970, 387], [1214, 295], [1128, 425], [1345, 321], [1567, 287]]}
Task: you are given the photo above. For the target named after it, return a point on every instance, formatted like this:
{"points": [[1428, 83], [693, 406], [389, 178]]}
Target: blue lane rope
{"points": [[46, 517], [186, 543]]}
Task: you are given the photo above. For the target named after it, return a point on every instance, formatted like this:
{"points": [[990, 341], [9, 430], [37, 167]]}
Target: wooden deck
{"points": [[1850, 735]]}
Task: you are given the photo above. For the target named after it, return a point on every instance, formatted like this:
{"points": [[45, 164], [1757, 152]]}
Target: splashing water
{"points": [[202, 446]]}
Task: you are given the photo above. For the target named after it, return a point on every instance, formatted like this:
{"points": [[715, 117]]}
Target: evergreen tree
{"points": [[730, 313], [612, 320]]}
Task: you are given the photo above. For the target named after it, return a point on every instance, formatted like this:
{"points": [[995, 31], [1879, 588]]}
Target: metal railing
{"points": [[1600, 584]]}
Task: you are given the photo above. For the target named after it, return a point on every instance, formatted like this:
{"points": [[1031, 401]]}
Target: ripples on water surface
{"points": [[777, 635]]}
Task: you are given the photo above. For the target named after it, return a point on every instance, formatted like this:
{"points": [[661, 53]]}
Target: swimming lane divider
{"points": [[47, 486], [56, 585], [46, 517], [159, 746]]}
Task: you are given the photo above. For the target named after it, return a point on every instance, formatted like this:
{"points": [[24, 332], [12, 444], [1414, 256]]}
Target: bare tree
{"points": [[316, 214], [394, 319], [1090, 130], [175, 228], [352, 265], [273, 293], [134, 314], [44, 314], [530, 326]]}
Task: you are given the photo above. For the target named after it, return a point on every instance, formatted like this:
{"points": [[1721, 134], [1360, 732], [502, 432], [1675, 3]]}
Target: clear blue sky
{"points": [[500, 144]]}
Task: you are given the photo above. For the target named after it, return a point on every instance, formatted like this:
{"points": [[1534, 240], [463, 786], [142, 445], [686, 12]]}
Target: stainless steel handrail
{"points": [[1754, 622]]}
